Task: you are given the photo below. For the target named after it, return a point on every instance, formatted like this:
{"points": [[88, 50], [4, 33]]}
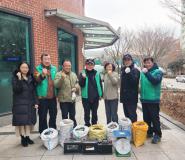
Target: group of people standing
{"points": [[42, 89], [133, 81]]}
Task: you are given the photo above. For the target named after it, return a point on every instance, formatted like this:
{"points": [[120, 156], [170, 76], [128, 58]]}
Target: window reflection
{"points": [[67, 48], [14, 47]]}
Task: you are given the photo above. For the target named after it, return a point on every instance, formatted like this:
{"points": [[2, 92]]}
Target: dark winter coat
{"points": [[93, 89], [24, 99], [129, 85]]}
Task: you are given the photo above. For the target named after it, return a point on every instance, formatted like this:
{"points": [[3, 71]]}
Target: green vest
{"points": [[42, 87], [150, 92], [84, 89]]}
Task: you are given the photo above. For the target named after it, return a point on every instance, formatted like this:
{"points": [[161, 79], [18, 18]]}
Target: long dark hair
{"points": [[18, 68]]}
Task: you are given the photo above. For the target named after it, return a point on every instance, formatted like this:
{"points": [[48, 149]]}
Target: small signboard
{"points": [[12, 58]]}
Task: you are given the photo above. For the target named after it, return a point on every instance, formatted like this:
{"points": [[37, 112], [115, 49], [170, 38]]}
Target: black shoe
{"points": [[29, 141], [24, 141], [156, 139], [88, 125]]}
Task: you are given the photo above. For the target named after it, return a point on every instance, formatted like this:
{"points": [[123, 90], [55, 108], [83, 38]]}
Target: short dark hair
{"points": [[148, 59], [43, 55], [65, 60], [113, 66]]}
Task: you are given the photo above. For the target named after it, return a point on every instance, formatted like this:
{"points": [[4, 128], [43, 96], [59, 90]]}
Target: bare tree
{"points": [[177, 7], [104, 58], [153, 42], [124, 44], [174, 5]]}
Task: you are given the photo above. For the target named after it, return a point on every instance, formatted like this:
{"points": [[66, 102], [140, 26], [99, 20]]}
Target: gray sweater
{"points": [[111, 83]]}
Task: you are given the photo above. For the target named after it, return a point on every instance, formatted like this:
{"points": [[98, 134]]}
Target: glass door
{"points": [[67, 48], [14, 48]]}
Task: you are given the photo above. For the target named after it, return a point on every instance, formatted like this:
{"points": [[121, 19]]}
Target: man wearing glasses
{"points": [[91, 90]]}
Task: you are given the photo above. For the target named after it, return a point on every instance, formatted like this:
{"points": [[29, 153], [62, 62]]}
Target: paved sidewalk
{"points": [[171, 147]]}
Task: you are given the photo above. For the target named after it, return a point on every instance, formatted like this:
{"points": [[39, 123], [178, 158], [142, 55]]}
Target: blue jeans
{"points": [[111, 108]]}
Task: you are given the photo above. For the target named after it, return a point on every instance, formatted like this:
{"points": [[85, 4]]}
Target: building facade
{"points": [[29, 28]]}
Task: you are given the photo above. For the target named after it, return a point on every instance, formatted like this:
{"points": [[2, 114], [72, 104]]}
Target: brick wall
{"points": [[45, 29], [173, 104]]}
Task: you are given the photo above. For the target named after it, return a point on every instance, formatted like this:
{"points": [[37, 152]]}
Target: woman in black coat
{"points": [[24, 103]]}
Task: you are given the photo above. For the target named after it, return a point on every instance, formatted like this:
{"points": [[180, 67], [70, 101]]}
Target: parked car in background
{"points": [[180, 78]]}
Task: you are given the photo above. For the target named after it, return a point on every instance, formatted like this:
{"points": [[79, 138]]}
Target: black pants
{"points": [[130, 111], [151, 117], [68, 108], [111, 108], [90, 107], [44, 106]]}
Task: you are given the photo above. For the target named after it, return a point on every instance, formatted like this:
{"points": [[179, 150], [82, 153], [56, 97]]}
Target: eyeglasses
{"points": [[90, 64]]}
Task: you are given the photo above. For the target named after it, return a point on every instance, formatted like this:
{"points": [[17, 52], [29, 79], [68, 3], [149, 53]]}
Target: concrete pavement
{"points": [[171, 147]]}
